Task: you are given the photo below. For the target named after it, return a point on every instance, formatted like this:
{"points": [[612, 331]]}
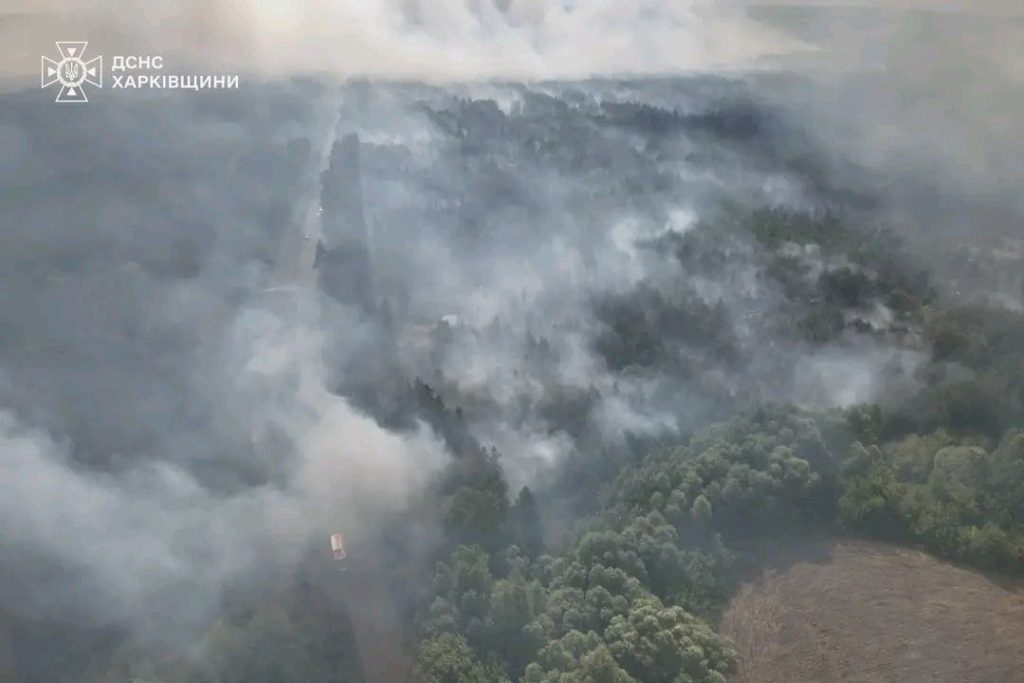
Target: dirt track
{"points": [[855, 611]]}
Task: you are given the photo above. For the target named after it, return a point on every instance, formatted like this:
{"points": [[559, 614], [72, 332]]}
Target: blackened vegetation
{"points": [[646, 327], [740, 120], [343, 257]]}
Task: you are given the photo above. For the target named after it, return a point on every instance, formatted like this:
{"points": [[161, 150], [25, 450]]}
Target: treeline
{"points": [[629, 599], [633, 592], [634, 596], [953, 495]]}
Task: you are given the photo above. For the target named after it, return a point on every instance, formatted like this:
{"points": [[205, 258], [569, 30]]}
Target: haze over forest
{"points": [[572, 317]]}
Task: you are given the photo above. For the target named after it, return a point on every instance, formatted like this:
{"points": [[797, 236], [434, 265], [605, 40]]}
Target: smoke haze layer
{"points": [[193, 393], [426, 41]]}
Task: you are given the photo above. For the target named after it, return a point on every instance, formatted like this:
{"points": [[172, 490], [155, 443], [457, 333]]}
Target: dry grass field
{"points": [[856, 611]]}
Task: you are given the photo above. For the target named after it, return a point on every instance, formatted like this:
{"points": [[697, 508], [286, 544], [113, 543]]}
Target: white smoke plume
{"points": [[153, 544], [433, 40]]}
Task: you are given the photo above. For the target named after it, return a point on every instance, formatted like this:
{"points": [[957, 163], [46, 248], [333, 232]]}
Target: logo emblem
{"points": [[72, 72]]}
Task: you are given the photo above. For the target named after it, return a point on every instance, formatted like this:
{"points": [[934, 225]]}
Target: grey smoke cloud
{"points": [[165, 428], [924, 108], [456, 40], [167, 425], [433, 40]]}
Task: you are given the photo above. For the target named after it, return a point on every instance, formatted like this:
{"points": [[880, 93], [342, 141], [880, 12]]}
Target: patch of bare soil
{"points": [[857, 611]]}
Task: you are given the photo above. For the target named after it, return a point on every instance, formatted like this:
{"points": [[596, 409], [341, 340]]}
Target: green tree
{"points": [[873, 503], [701, 511], [477, 515], [517, 633], [658, 644], [527, 530], [576, 658], [447, 658]]}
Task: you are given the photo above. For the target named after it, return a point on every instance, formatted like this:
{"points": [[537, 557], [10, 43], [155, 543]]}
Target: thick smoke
{"points": [[920, 110], [425, 40], [181, 405], [165, 425], [525, 239]]}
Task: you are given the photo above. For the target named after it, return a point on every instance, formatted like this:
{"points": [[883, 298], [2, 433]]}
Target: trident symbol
{"points": [[72, 72]]}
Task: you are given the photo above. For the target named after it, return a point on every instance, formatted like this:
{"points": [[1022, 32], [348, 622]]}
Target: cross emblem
{"points": [[72, 72]]}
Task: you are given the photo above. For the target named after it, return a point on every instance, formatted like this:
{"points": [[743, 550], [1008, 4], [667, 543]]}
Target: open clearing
{"points": [[857, 611]]}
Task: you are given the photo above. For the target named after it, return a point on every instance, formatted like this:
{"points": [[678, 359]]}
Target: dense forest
{"points": [[564, 361], [653, 541], [633, 594]]}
